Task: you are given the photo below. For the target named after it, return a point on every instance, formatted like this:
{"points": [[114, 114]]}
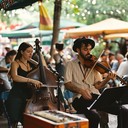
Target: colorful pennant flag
{"points": [[45, 20]]}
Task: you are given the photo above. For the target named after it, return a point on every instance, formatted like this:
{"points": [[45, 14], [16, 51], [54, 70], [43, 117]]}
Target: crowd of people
{"points": [[82, 83]]}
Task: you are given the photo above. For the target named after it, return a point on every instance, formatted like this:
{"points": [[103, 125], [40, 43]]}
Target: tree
{"points": [[56, 23], [84, 11], [91, 11]]}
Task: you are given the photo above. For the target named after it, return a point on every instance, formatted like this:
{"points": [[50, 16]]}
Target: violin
{"points": [[102, 67]]}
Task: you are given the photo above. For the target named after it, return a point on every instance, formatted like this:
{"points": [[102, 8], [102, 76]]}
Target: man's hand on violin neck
{"points": [[111, 75]]}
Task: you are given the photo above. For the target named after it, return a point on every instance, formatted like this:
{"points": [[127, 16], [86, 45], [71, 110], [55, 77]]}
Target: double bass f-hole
{"points": [[38, 96]]}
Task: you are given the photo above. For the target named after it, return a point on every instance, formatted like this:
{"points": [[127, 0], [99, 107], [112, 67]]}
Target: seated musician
{"points": [[5, 83], [19, 93], [86, 84], [4, 68]]}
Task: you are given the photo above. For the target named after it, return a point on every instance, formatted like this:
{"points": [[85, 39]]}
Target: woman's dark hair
{"points": [[23, 46]]}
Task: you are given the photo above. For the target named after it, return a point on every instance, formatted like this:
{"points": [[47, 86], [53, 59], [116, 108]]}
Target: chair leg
{"points": [[14, 125]]}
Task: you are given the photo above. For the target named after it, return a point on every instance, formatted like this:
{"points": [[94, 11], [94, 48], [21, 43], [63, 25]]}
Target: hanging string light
{"points": [[68, 6]]}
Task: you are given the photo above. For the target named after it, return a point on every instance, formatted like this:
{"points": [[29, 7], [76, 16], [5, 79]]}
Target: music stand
{"points": [[60, 81], [110, 96]]}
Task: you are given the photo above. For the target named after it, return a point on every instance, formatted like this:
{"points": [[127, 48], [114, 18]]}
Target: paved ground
{"points": [[3, 123], [112, 121]]}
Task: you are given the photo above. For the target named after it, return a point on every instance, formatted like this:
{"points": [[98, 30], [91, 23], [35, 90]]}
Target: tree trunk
{"points": [[56, 24]]}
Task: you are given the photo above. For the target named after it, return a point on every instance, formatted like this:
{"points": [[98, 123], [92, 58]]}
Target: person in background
{"points": [[86, 84], [104, 60], [5, 65], [59, 59], [20, 92], [112, 60], [104, 116], [119, 59], [115, 61], [6, 50], [123, 73], [123, 67], [60, 62], [4, 68]]}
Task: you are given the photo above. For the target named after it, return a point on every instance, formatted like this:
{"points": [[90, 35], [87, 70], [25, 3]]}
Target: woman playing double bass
{"points": [[19, 93]]}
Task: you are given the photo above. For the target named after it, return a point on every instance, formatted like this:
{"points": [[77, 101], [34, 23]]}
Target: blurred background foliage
{"points": [[84, 11]]}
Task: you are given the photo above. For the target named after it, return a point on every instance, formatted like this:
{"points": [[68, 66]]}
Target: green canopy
{"points": [[28, 33], [64, 24], [45, 35], [32, 30], [46, 40]]}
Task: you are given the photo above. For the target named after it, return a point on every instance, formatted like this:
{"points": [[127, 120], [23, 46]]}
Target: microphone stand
{"points": [[60, 80]]}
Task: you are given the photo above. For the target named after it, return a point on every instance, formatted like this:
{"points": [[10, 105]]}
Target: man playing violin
{"points": [[85, 81]]}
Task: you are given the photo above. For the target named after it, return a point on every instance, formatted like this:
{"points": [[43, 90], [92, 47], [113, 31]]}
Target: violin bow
{"points": [[86, 76]]}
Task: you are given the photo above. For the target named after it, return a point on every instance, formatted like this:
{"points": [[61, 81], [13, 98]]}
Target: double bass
{"points": [[43, 98]]}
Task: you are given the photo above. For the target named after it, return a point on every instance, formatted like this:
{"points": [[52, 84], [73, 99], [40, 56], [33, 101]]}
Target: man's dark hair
{"points": [[78, 43], [111, 54], [11, 53]]}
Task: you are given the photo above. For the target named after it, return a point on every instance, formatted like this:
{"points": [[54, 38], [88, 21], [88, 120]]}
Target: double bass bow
{"points": [[44, 97]]}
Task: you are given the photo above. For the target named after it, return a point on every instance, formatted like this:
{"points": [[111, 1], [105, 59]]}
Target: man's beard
{"points": [[85, 57]]}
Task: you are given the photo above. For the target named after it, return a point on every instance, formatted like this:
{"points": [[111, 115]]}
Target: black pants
{"points": [[80, 105]]}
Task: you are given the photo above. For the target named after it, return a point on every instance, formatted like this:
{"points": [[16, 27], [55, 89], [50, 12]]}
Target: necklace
{"points": [[25, 64], [83, 72]]}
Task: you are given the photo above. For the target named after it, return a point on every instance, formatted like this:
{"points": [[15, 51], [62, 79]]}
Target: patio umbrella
{"points": [[32, 33], [27, 33], [118, 35], [104, 27], [64, 24]]}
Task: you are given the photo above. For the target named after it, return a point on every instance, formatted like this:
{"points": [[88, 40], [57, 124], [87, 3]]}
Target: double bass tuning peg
{"points": [[38, 47], [37, 41]]}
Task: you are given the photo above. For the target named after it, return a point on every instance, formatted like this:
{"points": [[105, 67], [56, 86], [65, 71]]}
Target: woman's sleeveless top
{"points": [[21, 89]]}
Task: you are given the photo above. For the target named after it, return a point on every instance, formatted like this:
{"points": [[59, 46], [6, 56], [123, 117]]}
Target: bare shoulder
{"points": [[15, 64]]}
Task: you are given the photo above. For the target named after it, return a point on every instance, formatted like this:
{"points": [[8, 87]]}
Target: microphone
{"points": [[55, 72]]}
